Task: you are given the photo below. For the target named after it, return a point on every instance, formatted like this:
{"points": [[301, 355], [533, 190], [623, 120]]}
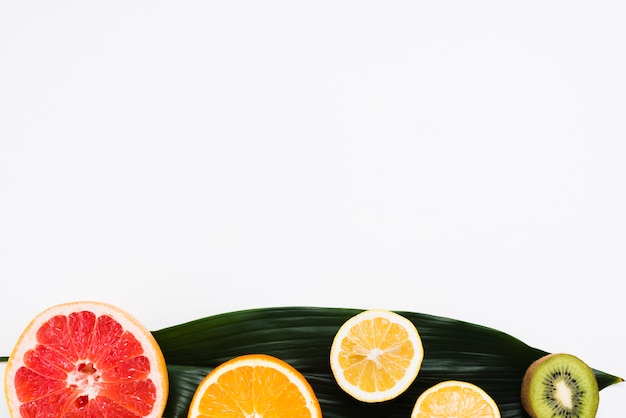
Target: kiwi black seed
{"points": [[560, 386]]}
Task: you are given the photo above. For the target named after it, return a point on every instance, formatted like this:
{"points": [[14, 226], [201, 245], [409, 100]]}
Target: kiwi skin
{"points": [[533, 398]]}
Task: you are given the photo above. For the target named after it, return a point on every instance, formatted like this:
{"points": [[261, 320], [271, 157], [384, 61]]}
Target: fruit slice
{"points": [[254, 385], [376, 355], [457, 399], [560, 385], [86, 359]]}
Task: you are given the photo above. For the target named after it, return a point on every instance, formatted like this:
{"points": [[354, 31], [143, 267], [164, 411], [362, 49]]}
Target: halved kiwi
{"points": [[560, 385]]}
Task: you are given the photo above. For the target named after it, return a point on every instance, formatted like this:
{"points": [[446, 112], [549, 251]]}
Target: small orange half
{"points": [[254, 385], [455, 399]]}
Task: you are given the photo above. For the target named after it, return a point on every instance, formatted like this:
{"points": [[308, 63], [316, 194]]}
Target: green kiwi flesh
{"points": [[560, 385]]}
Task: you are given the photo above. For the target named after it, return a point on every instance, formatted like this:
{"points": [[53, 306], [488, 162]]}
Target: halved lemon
{"points": [[86, 359], [457, 399], [376, 355], [254, 385]]}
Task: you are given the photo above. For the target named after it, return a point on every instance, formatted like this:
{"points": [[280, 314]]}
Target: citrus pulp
{"points": [[254, 385], [376, 355], [86, 359], [457, 399]]}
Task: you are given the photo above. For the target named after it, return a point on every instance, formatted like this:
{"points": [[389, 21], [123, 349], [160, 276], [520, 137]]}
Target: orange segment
{"points": [[376, 355], [254, 385], [85, 359], [455, 399]]}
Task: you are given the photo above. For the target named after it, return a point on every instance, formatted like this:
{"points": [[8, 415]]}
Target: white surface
{"points": [[181, 159]]}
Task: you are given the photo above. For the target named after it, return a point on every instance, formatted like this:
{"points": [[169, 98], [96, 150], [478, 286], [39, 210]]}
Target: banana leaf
{"points": [[302, 336]]}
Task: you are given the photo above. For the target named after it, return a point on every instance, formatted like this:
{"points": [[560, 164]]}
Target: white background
{"points": [[186, 158]]}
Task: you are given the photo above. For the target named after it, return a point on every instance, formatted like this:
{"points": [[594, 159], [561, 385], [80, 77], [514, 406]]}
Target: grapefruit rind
{"points": [[28, 340]]}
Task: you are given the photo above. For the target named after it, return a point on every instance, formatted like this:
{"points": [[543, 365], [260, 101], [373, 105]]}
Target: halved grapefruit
{"points": [[86, 359]]}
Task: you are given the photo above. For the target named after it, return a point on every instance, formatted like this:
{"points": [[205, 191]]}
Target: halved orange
{"points": [[457, 399], [86, 359], [254, 385], [376, 355]]}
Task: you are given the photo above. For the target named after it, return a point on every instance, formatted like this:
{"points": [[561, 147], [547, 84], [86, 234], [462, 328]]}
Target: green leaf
{"points": [[302, 337], [183, 383]]}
